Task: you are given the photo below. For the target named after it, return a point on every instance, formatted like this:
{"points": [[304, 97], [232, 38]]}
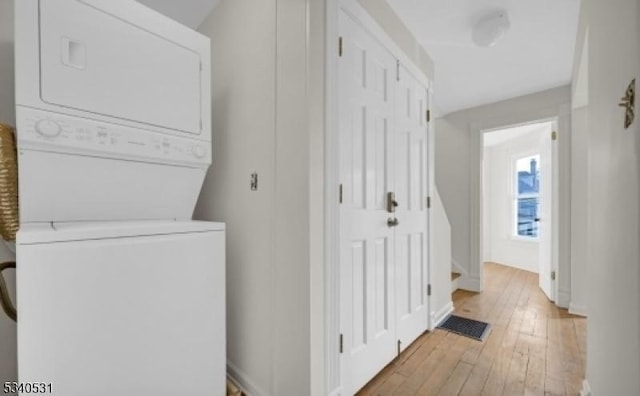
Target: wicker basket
{"points": [[9, 222]]}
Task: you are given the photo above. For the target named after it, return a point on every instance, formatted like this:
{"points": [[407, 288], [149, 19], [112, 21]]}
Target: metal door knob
{"points": [[393, 222]]}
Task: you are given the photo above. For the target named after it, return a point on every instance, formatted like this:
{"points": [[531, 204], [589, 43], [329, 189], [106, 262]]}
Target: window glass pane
{"points": [[527, 200], [527, 215], [528, 169]]}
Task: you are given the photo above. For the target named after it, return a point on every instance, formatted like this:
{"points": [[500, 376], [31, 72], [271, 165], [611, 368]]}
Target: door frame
{"points": [[554, 126], [333, 381], [562, 244]]}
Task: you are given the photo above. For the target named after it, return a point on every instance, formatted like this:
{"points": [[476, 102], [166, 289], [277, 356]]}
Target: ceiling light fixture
{"points": [[489, 29]]}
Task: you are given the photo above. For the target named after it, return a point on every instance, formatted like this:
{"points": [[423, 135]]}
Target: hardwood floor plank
{"points": [[428, 367], [379, 379], [481, 369], [431, 341], [498, 374], [553, 386], [457, 379], [534, 384], [514, 384], [533, 348], [390, 385], [444, 368]]}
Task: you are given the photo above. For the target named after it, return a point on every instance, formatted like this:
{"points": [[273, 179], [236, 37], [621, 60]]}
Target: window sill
{"points": [[516, 238]]}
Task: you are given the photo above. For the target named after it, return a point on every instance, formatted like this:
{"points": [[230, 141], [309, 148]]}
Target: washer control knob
{"points": [[48, 128], [198, 151]]}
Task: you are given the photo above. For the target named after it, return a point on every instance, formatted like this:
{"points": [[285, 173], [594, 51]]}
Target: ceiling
{"points": [[187, 12], [535, 54]]}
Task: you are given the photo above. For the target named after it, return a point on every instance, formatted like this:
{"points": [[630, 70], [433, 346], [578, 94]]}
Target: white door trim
{"points": [[561, 244], [332, 172], [332, 208]]}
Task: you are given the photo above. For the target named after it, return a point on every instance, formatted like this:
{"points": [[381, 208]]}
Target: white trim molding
{"points": [[579, 310], [332, 210], [441, 315], [243, 381], [354, 9], [455, 267], [471, 283], [586, 389], [336, 392], [563, 298], [561, 253]]}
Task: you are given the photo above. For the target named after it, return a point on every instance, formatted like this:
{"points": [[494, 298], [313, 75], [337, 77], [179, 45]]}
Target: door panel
{"points": [[410, 178], [403, 275], [358, 297], [366, 257], [547, 183], [381, 286]]}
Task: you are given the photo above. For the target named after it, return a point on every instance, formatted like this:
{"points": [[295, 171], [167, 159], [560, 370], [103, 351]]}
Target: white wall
{"points": [[613, 298], [579, 211], [458, 174], [440, 275], [8, 343], [579, 169], [243, 66], [500, 246], [268, 119]]}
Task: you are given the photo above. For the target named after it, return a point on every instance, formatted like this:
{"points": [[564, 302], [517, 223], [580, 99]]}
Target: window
{"points": [[527, 196]]}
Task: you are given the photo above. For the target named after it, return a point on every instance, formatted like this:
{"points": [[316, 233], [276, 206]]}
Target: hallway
{"points": [[533, 348]]}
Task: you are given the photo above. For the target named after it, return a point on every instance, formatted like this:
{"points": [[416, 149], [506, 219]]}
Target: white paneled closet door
{"points": [[367, 306], [383, 248], [411, 248]]}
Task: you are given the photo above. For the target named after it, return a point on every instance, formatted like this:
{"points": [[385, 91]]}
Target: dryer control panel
{"points": [[46, 131]]}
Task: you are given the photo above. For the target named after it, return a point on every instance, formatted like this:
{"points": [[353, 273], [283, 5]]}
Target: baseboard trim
{"points": [[243, 381], [455, 267], [468, 283], [563, 299], [579, 310], [586, 389], [441, 315], [336, 392], [454, 285]]}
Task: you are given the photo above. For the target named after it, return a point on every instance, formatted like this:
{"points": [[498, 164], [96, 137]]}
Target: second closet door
{"points": [[410, 235]]}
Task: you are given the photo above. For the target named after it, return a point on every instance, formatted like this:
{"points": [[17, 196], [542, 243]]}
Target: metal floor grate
{"points": [[466, 327]]}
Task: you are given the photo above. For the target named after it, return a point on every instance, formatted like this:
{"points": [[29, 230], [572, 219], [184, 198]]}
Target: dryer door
{"points": [[100, 61]]}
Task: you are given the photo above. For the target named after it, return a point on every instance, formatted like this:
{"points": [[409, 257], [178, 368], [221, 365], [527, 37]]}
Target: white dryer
{"points": [[113, 109]]}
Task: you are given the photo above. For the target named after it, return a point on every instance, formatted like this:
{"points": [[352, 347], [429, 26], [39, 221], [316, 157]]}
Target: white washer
{"points": [[126, 308]]}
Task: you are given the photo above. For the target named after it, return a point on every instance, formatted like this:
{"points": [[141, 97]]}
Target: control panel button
{"points": [[48, 128], [198, 151]]}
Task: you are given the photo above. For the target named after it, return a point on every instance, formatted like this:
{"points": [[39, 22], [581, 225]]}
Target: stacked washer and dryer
{"points": [[119, 292]]}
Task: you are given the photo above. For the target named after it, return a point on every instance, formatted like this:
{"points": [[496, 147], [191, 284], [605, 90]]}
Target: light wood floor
{"points": [[534, 348]]}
